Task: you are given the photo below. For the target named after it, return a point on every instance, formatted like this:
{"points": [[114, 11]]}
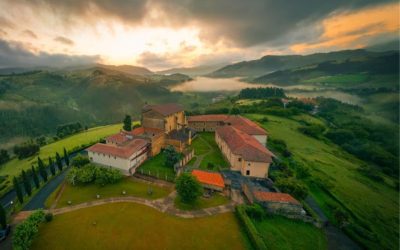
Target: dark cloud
{"points": [[5, 23], [152, 60], [30, 34], [64, 40], [15, 55]]}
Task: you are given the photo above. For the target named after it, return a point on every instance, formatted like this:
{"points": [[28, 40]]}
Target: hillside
{"points": [[271, 63], [193, 71], [35, 103], [128, 69]]}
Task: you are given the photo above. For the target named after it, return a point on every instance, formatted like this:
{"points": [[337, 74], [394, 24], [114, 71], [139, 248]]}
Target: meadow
{"points": [[335, 182]]}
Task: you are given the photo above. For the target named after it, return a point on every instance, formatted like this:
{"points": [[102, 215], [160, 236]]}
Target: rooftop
{"points": [[275, 197], [164, 109], [245, 145], [209, 178], [125, 151]]}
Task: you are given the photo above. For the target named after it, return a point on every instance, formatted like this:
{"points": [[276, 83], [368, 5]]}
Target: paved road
{"points": [[337, 240]]}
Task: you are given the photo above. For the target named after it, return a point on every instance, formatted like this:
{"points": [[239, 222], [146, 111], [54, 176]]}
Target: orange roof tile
{"points": [[275, 197], [125, 151], [209, 178], [245, 145]]}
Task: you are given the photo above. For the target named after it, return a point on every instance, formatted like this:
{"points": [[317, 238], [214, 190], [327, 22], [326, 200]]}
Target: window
{"points": [[247, 172], [239, 159]]}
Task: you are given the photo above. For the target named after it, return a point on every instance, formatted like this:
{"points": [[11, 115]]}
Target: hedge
{"points": [[250, 229], [26, 231]]}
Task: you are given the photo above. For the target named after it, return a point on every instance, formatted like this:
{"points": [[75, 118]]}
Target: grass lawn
{"points": [[14, 167], [205, 144], [202, 202], [134, 226], [373, 205], [80, 194], [281, 233], [156, 167]]}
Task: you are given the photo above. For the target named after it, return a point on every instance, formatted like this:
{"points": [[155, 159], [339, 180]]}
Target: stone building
{"points": [[166, 117], [244, 152]]}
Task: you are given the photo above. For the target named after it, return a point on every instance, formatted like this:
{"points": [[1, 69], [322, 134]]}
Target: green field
{"points": [[202, 202], [14, 167], [85, 193], [340, 79], [155, 166], [205, 145], [280, 233], [134, 226], [373, 205]]}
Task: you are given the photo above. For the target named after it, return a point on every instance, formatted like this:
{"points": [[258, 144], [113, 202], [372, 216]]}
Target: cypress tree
{"points": [[42, 170], [127, 123], [66, 157], [59, 162], [27, 183], [18, 190], [51, 166], [3, 217], [35, 178]]}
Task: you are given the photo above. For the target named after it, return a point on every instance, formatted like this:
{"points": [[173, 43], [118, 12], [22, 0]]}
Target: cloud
{"points": [[30, 34], [64, 40], [14, 54], [157, 61]]}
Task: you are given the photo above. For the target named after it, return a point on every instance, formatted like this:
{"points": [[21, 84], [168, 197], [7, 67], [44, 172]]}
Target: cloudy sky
{"points": [[160, 34]]}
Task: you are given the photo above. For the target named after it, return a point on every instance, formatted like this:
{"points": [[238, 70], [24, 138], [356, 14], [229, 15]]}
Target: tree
{"points": [[18, 190], [52, 167], [27, 183], [26, 149], [42, 169], [35, 177], [234, 111], [66, 157], [59, 162], [171, 156], [188, 188], [3, 217], [127, 123], [79, 161], [4, 156]]}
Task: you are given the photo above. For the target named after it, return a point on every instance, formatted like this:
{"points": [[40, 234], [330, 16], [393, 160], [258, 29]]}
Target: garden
{"points": [[206, 149]]}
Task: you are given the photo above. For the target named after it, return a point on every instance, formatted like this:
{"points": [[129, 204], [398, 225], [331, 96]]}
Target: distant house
{"points": [[209, 180], [121, 152], [244, 152], [280, 203], [210, 123]]}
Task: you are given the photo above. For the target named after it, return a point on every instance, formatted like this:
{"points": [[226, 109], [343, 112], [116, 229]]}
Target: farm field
{"points": [[14, 167], [280, 233], [85, 193], [129, 225], [372, 205]]}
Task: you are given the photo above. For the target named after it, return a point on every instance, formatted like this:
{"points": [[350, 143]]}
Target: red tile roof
{"points": [[209, 178], [245, 145], [275, 197], [142, 130], [206, 118], [164, 109], [125, 151], [239, 122]]}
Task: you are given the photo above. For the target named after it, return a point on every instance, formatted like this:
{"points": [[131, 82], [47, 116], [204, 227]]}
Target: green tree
{"points": [[188, 188], [42, 169], [4, 156], [127, 123], [79, 161], [66, 157], [27, 183], [171, 156], [59, 162], [52, 167], [35, 177], [18, 190], [3, 217]]}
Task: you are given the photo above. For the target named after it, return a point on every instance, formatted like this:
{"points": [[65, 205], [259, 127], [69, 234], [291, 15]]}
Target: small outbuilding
{"points": [[210, 180]]}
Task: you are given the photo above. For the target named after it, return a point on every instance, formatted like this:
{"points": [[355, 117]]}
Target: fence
{"points": [[187, 156]]}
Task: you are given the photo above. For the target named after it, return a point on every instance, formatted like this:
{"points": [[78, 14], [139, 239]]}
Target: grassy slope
{"points": [[14, 167], [281, 233], [374, 204], [128, 225], [80, 194]]}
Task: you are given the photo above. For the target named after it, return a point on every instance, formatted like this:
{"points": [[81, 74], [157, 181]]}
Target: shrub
{"points": [[249, 227], [26, 149], [91, 173], [188, 188], [104, 176], [171, 156], [313, 130], [293, 187], [26, 231], [80, 161], [48, 217], [255, 211]]}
